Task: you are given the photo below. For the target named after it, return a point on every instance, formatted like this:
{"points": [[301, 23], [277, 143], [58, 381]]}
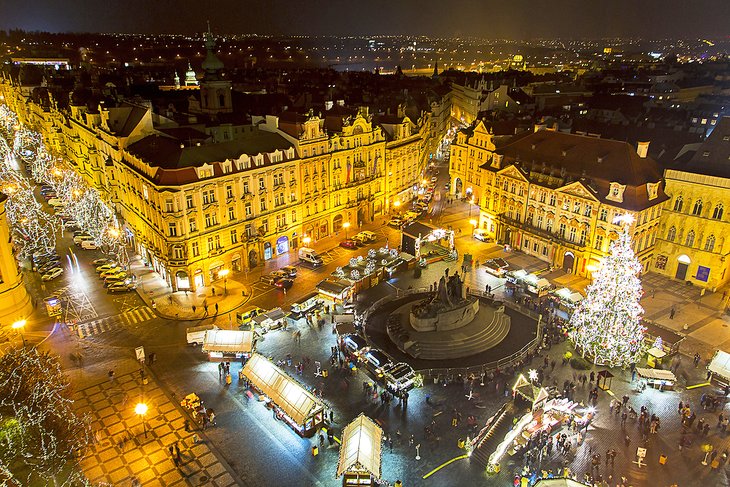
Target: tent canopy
{"points": [[298, 403], [228, 341], [656, 374], [360, 450], [720, 364]]}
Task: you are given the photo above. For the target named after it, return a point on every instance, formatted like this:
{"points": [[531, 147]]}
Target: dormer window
{"points": [[652, 190], [616, 192]]}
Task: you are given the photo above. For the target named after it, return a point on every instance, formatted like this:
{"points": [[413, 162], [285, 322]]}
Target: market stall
{"points": [[566, 301], [289, 400], [525, 389], [720, 368], [670, 341], [657, 378], [305, 304], [424, 240], [338, 290], [654, 356], [228, 344], [271, 320], [359, 462], [527, 283]]}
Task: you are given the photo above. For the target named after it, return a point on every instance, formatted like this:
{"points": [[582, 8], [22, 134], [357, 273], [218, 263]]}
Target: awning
{"points": [[298, 403], [360, 450], [334, 288], [345, 328], [228, 341], [720, 364], [656, 374], [418, 228], [275, 314]]}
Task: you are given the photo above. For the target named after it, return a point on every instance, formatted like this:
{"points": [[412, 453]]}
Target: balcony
{"points": [[527, 227], [216, 251], [247, 196]]}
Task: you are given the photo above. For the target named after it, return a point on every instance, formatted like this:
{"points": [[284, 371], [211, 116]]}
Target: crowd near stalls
{"points": [[359, 461], [289, 400]]}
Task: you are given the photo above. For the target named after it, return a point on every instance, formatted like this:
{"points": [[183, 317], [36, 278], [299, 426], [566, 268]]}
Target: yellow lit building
{"points": [[556, 196], [694, 236], [15, 304]]}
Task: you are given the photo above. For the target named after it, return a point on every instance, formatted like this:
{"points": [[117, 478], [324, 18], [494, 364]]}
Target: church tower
{"points": [[215, 90]]}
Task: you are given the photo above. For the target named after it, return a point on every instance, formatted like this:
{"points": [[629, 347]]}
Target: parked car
{"points": [[88, 245], [115, 272], [481, 234], [290, 271], [102, 261], [368, 237], [284, 283], [56, 203], [106, 267], [49, 266], [270, 278], [124, 278], [119, 287], [377, 362], [52, 274], [80, 238], [349, 244], [395, 222]]}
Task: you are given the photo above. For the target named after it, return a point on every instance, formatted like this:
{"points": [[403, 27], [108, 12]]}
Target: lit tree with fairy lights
{"points": [[607, 325]]}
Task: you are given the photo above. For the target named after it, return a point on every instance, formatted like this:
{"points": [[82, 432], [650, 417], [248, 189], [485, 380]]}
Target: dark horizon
{"points": [[521, 20]]}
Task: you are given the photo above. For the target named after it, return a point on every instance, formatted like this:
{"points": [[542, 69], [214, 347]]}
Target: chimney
{"points": [[642, 149]]}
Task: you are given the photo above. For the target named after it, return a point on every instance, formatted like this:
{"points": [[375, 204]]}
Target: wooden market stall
{"points": [[290, 401], [228, 344], [359, 462]]}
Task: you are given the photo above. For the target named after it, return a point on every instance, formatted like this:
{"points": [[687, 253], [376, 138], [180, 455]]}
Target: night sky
{"points": [[515, 19]]}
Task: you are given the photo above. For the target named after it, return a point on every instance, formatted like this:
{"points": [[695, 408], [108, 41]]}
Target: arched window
{"points": [[710, 243], [672, 234], [697, 210], [678, 203], [690, 241], [717, 212]]}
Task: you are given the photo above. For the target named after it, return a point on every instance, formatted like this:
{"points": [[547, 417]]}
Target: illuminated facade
{"points": [[694, 236], [15, 303], [556, 195]]}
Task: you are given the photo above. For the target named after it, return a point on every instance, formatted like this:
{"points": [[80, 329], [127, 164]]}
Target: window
{"points": [[246, 189], [690, 241], [211, 219], [168, 206], [279, 199], [294, 216], [281, 220], [263, 204], [189, 202], [672, 234], [505, 186], [231, 213], [248, 209], [717, 212], [598, 245], [552, 200], [583, 237], [278, 179], [549, 226], [561, 230], [178, 253], [192, 225], [234, 237], [603, 215], [678, 203], [576, 207], [697, 210], [229, 192], [710, 243], [265, 226], [262, 183], [208, 196], [588, 210], [211, 246], [539, 221], [542, 196], [571, 235], [195, 249], [172, 229]]}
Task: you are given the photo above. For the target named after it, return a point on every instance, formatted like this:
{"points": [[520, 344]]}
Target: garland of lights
{"points": [[607, 324]]}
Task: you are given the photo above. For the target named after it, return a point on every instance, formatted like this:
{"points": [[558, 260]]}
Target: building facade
{"points": [[557, 196], [15, 303], [694, 235]]}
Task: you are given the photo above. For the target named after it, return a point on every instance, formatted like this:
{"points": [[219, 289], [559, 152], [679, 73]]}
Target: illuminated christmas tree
{"points": [[607, 324]]}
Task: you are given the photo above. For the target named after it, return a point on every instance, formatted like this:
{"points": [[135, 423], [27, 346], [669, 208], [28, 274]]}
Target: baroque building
{"points": [[557, 196], [694, 235]]}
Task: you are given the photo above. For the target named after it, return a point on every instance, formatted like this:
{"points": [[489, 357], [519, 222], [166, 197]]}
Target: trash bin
{"points": [[315, 450], [460, 443], [398, 483], [662, 459], [324, 373]]}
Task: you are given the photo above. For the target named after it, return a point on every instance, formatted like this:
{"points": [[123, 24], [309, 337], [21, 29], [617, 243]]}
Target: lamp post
{"points": [[396, 204], [471, 202], [224, 275], [346, 225], [141, 410], [19, 325]]}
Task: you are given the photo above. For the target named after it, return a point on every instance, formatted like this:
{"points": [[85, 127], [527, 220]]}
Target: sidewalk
{"points": [[155, 292]]}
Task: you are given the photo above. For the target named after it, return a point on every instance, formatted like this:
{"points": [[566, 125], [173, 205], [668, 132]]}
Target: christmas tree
{"points": [[607, 324]]}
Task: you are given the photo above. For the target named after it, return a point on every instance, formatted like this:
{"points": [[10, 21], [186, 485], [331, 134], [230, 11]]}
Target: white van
{"points": [[310, 256], [481, 234], [196, 334]]}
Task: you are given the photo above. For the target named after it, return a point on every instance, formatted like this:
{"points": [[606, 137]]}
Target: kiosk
{"points": [[359, 462], [657, 378], [289, 400], [720, 368], [306, 304], [227, 344], [271, 320]]}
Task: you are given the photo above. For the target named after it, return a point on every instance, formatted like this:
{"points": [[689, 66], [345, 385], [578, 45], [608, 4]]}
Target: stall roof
{"points": [[417, 228], [228, 341], [720, 364], [345, 328], [668, 336], [288, 394], [360, 450], [559, 483], [274, 315], [656, 374], [334, 287]]}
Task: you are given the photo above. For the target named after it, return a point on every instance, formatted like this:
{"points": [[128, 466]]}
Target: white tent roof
{"points": [[231, 341], [656, 374], [720, 364], [360, 450]]}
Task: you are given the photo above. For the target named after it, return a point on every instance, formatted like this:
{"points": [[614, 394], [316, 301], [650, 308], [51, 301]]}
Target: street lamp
{"points": [[346, 225], [224, 275], [18, 325], [306, 240], [141, 410], [396, 203], [471, 202]]}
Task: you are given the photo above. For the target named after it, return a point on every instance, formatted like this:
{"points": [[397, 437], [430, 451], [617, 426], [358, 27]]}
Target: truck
{"points": [[310, 256]]}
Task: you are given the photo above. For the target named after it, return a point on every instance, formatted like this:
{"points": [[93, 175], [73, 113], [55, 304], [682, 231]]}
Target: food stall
{"points": [[566, 301], [339, 291], [305, 304], [670, 341], [530, 283], [654, 356], [657, 378], [271, 320], [227, 344], [400, 378], [359, 462], [344, 324], [720, 368], [289, 400]]}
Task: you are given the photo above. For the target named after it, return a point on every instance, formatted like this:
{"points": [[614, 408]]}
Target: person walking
{"points": [[205, 309], [672, 311], [174, 457], [216, 308]]}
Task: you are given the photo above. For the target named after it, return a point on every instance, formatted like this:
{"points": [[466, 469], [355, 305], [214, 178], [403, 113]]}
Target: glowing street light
{"points": [[473, 223], [306, 240], [19, 325], [224, 274], [141, 410], [346, 225]]}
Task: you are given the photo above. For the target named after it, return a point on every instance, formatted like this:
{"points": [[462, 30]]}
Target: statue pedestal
{"points": [[447, 319]]}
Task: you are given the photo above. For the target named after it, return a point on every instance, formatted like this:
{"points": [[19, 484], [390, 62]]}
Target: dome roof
{"points": [[211, 64]]}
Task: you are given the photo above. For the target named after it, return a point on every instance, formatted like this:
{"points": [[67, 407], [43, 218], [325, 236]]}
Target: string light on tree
{"points": [[606, 327]]}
